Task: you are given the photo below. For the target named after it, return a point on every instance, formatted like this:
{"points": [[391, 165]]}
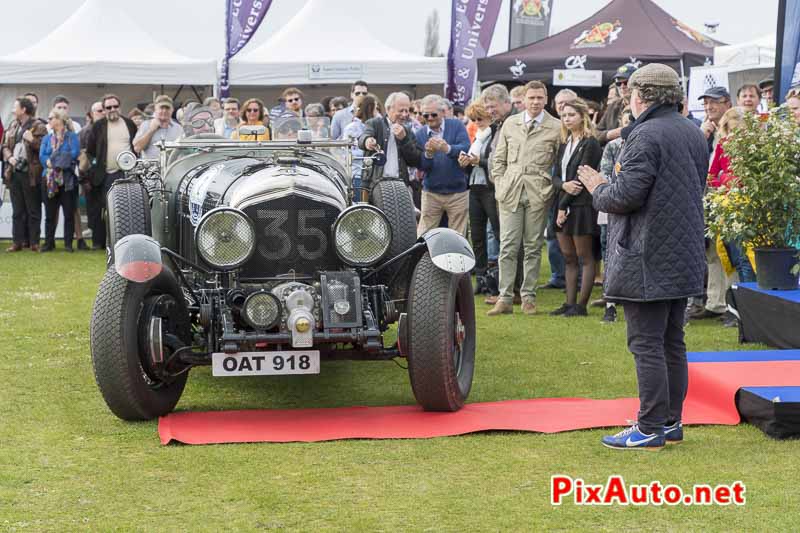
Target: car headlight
{"points": [[262, 310], [126, 160], [225, 238], [362, 234]]}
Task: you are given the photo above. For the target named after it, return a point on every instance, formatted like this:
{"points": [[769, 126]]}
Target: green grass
{"points": [[66, 463]]}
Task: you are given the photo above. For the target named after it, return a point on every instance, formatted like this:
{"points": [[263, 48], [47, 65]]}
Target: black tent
{"points": [[623, 31]]}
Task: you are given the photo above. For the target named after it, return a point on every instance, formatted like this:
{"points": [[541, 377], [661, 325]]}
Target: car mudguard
{"points": [[449, 250], [137, 258]]}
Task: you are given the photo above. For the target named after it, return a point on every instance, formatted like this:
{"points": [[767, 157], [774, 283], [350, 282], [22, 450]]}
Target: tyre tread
{"points": [[392, 197], [430, 365], [129, 211]]}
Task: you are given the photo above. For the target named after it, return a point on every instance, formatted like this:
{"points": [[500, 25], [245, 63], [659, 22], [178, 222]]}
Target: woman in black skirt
{"points": [[576, 222]]}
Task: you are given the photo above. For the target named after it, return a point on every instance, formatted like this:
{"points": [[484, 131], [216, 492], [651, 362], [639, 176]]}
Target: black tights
{"points": [[575, 248]]}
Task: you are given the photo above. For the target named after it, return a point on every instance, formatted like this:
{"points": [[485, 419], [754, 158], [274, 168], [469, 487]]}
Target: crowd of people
{"points": [[503, 171]]}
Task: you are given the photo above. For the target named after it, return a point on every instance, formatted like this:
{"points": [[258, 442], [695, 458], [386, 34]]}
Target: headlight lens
{"points": [[362, 234], [262, 310], [126, 160], [225, 238]]}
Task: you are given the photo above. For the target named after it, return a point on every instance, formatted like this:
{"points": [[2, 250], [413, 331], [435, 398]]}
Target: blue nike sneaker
{"points": [[674, 433], [634, 439]]}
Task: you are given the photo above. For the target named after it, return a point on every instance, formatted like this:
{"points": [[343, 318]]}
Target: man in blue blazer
{"points": [[444, 189]]}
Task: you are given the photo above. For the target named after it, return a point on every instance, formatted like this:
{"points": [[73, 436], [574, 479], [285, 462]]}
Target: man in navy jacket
{"points": [[444, 189], [656, 252]]}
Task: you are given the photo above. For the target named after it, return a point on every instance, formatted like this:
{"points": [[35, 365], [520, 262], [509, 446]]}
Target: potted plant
{"points": [[761, 206]]}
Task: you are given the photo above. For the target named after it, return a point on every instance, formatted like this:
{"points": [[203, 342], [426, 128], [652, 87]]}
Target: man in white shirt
{"points": [[392, 135], [343, 117], [229, 122]]}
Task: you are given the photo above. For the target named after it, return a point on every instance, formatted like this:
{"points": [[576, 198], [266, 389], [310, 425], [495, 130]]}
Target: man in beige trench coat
{"points": [[522, 169]]}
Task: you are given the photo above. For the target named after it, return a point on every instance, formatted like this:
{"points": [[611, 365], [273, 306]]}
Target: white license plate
{"points": [[265, 363]]}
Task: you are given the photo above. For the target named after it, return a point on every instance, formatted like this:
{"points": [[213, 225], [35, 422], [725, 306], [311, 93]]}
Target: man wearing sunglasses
{"points": [[293, 99], [609, 128], [109, 137], [342, 118], [159, 128], [444, 188]]}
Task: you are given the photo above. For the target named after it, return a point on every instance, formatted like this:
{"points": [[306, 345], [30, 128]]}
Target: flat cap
{"points": [[656, 74]]}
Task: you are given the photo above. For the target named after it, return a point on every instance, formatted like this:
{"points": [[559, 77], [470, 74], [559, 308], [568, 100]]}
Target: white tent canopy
{"points": [[100, 43], [322, 45], [756, 54]]}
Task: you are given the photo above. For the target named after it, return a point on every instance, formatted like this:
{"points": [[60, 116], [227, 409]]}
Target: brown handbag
{"points": [[84, 163]]}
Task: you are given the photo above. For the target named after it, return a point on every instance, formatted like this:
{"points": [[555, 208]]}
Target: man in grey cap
{"points": [[656, 256], [716, 101]]}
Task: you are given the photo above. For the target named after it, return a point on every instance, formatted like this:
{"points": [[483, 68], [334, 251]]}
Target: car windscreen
{"points": [[286, 128]]}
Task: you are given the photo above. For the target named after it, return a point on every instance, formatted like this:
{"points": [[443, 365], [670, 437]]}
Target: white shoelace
{"points": [[627, 431]]}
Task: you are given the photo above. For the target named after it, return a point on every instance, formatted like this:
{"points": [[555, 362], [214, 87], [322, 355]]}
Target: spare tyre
{"points": [[394, 199], [128, 211]]}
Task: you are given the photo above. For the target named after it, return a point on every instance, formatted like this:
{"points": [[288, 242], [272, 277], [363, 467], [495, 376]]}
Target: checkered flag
{"points": [[709, 81]]}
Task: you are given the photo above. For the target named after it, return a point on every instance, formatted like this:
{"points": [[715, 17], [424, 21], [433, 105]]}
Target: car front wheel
{"points": [[440, 337], [130, 384]]}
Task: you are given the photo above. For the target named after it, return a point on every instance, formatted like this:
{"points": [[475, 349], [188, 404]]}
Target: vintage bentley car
{"points": [[258, 258]]}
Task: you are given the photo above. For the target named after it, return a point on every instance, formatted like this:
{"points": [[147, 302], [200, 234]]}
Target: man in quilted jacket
{"points": [[656, 253]]}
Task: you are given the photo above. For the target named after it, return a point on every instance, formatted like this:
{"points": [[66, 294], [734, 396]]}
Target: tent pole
{"points": [[510, 16], [683, 78]]}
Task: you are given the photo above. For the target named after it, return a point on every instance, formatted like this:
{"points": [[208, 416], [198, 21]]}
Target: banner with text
{"points": [[471, 28], [529, 21], [242, 18], [788, 48]]}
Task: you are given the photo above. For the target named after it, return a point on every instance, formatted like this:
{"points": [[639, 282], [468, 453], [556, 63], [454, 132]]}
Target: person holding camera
{"points": [[390, 134], [23, 173], [58, 155]]}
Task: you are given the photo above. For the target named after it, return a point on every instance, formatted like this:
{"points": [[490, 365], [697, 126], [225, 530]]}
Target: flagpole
{"points": [[684, 81], [777, 92]]}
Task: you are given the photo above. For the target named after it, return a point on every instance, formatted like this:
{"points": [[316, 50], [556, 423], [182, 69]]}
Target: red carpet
{"points": [[710, 400]]}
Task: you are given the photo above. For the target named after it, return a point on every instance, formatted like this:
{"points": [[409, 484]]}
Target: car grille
{"points": [[293, 233]]}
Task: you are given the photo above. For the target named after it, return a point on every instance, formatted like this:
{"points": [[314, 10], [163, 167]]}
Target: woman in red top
{"points": [[719, 175]]}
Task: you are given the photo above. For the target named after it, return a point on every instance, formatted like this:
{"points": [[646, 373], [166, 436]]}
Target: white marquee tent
{"points": [[321, 45], [101, 44], [747, 62], [758, 53], [96, 50]]}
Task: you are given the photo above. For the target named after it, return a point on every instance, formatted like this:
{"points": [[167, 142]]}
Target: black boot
{"points": [[480, 285]]}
